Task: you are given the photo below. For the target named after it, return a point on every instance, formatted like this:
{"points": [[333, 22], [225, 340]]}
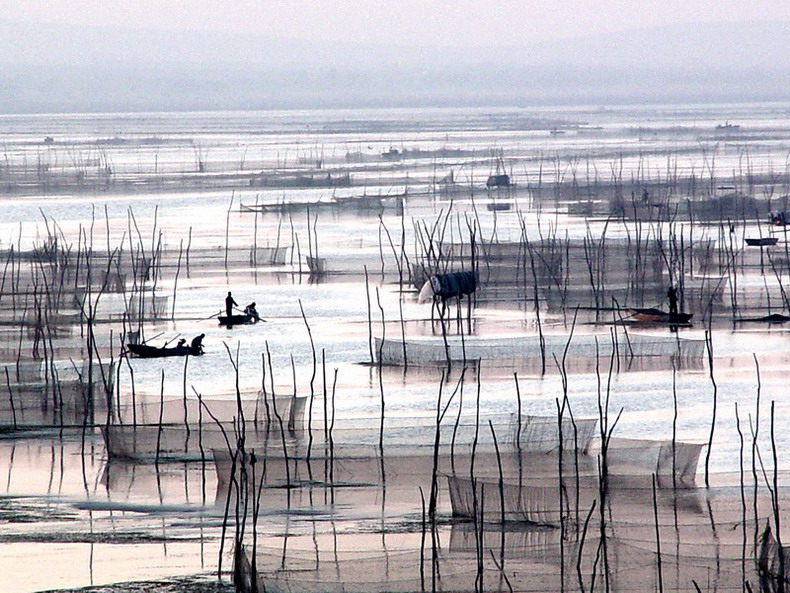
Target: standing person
{"points": [[229, 304], [672, 295]]}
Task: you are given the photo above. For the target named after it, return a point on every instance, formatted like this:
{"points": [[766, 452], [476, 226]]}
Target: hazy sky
{"points": [[428, 22]]}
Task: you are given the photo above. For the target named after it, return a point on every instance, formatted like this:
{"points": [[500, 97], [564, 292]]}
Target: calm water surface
{"points": [[96, 522]]}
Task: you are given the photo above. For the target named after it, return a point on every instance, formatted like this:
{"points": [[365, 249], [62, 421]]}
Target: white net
{"points": [[542, 433], [426, 350], [662, 458]]}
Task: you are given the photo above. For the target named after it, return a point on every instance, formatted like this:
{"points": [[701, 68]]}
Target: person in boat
{"points": [[182, 344], [672, 295], [252, 312], [197, 344], [229, 304]]}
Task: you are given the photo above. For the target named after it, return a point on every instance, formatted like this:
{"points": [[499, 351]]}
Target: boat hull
{"points": [[658, 316], [237, 320], [761, 241], [145, 351]]}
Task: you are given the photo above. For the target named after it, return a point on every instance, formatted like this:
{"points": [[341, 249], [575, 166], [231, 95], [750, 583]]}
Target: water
{"points": [[179, 180]]}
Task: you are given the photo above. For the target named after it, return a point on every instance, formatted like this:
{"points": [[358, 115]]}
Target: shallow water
{"points": [[99, 523]]}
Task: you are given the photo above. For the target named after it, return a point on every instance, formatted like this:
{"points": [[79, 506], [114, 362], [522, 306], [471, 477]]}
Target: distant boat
{"points": [[772, 318], [393, 154], [372, 202], [761, 241], [659, 316], [727, 127]]}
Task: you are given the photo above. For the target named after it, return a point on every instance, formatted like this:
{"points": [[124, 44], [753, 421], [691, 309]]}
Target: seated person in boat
{"points": [[252, 311], [197, 344], [182, 345]]}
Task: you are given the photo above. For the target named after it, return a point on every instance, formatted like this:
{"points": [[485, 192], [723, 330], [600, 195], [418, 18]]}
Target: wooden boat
{"points": [[772, 318], [498, 206], [242, 319], [659, 316], [727, 127], [146, 351], [761, 241]]}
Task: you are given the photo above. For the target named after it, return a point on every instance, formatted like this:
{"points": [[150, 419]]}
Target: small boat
{"points": [[761, 241], [498, 206], [242, 319], [146, 351], [659, 316], [772, 318], [727, 127]]}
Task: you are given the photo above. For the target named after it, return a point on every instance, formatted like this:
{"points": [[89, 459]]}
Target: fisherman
{"points": [[182, 344], [672, 295], [197, 344], [252, 312], [229, 304]]}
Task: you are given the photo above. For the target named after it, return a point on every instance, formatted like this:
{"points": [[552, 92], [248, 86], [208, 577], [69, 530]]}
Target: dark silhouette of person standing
{"points": [[672, 295], [229, 304]]}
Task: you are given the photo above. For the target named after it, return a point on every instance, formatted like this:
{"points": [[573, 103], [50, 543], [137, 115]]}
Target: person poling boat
{"points": [[229, 304], [672, 295]]}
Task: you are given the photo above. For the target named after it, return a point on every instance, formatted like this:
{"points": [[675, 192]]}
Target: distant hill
{"points": [[722, 46], [73, 68]]}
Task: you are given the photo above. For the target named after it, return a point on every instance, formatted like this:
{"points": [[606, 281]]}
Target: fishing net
{"points": [[543, 434], [427, 350], [662, 458]]}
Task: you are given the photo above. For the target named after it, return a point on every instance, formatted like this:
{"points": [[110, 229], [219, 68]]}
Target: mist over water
{"points": [[81, 68]]}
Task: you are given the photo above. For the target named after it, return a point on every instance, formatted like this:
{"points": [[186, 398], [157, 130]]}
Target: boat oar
{"points": [[245, 313], [153, 338], [170, 340]]}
